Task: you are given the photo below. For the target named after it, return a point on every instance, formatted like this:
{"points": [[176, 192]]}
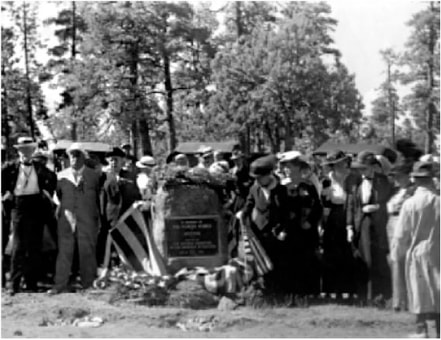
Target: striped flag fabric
{"points": [[135, 245], [233, 236], [254, 250]]}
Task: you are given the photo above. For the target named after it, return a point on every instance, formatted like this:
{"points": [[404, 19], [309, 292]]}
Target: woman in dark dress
{"points": [[338, 260], [302, 266]]}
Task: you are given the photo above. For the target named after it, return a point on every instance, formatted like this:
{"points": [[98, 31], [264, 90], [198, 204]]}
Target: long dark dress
{"points": [[301, 262], [338, 260]]}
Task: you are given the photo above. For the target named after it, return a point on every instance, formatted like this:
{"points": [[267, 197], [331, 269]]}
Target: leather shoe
{"points": [[11, 292]]}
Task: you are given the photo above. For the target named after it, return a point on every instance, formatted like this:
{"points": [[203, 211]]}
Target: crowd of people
{"points": [[366, 229]]}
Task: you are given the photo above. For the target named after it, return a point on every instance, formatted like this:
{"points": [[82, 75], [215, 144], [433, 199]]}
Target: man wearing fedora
{"points": [[416, 240], [118, 195], [367, 219], [26, 185], [78, 190]]}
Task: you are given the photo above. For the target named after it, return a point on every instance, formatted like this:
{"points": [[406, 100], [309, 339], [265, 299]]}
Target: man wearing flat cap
{"points": [[416, 240], [266, 208], [78, 192], [367, 216], [24, 184]]}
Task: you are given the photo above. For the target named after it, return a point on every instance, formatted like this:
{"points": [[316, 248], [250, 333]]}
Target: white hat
{"points": [[146, 162], [76, 147], [292, 155], [25, 142]]}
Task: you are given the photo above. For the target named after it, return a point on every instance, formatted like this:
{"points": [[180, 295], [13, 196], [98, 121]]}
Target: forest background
{"points": [[157, 73]]}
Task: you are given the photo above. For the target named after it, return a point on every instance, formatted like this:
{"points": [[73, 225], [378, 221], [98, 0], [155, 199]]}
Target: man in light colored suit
{"points": [[78, 191]]}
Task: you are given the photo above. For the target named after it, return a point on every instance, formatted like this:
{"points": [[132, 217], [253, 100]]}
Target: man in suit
{"points": [[366, 220], [78, 190], [26, 186], [266, 208], [118, 195]]}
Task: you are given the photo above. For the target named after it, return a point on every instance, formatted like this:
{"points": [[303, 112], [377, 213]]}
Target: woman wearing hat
{"points": [[404, 189], [144, 179], [338, 271], [302, 238], [266, 208], [367, 215]]}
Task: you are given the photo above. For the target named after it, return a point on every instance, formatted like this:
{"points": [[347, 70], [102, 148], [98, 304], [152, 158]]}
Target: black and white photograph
{"points": [[220, 169]]}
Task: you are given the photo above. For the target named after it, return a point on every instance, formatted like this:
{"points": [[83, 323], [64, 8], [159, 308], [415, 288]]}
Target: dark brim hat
{"points": [[263, 166], [365, 159], [236, 154], [40, 155], [116, 152], [422, 169], [25, 143], [334, 157]]}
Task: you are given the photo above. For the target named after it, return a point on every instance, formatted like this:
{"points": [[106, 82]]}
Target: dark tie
{"points": [[27, 163]]}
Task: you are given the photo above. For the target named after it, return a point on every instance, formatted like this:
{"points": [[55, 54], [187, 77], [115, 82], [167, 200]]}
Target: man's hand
{"points": [[349, 233], [239, 215], [370, 208], [7, 196], [142, 205]]}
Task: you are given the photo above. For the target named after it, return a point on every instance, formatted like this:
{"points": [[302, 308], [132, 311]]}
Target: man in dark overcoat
{"points": [[26, 188]]}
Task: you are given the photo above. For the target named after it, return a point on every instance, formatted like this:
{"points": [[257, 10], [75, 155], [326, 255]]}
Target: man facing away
{"points": [[78, 191], [417, 239]]}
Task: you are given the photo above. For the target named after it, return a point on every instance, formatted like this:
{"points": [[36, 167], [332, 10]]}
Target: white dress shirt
{"points": [[27, 181]]}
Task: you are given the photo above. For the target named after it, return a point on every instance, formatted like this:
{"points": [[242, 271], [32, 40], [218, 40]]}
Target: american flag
{"points": [[134, 243]]}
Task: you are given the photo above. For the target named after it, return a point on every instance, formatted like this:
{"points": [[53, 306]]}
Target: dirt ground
{"points": [[38, 315]]}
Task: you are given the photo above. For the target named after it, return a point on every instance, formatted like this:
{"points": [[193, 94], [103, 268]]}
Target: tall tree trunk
{"points": [[134, 132], [169, 100], [431, 109], [74, 125], [5, 117], [28, 79], [145, 137], [391, 101], [238, 19]]}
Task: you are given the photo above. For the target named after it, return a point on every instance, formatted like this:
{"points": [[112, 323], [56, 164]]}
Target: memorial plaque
{"points": [[190, 236]]}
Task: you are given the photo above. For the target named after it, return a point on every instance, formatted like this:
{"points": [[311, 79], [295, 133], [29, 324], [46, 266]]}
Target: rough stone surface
{"points": [[226, 304]]}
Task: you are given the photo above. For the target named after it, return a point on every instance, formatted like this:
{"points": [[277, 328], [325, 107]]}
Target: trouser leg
{"points": [[63, 267], [87, 259], [18, 250]]}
